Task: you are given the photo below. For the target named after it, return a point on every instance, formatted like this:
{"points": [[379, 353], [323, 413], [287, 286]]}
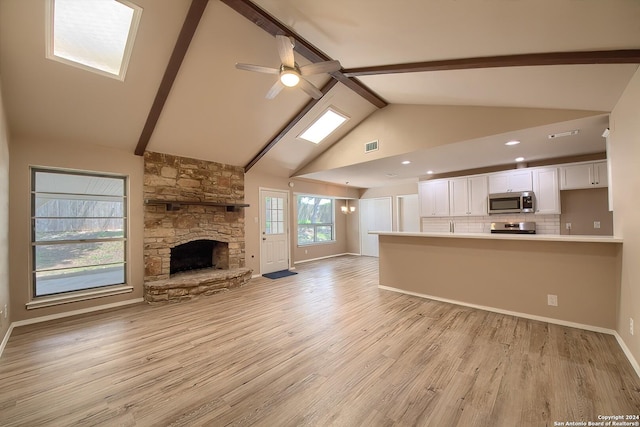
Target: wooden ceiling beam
{"points": [[629, 56], [196, 10], [274, 27], [282, 132]]}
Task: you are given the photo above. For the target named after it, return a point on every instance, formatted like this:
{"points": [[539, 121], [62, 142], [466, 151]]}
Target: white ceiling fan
{"points": [[290, 74]]}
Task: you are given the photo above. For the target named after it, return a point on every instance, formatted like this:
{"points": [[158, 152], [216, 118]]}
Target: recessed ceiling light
{"points": [[329, 121], [519, 159], [406, 162], [429, 172], [512, 142], [561, 134]]}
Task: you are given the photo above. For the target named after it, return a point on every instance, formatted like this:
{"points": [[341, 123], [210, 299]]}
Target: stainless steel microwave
{"points": [[515, 202]]}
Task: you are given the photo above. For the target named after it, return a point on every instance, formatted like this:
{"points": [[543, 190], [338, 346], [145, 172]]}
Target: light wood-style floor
{"points": [[324, 347]]}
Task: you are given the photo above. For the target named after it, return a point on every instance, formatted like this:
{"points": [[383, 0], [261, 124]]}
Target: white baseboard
{"points": [[507, 312], [627, 353], [62, 315], [323, 257], [6, 339]]}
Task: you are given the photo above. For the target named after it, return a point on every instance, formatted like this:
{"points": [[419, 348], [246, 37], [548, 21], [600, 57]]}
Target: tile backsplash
{"points": [[545, 224]]}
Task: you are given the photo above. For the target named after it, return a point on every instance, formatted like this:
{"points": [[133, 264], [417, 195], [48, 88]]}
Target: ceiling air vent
{"points": [[371, 146]]}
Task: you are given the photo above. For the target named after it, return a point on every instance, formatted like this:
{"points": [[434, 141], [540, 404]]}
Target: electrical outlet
{"points": [[568, 226], [552, 300], [596, 224], [631, 325]]}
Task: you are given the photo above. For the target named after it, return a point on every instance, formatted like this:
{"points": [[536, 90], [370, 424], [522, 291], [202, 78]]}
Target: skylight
{"points": [[96, 35], [329, 121]]}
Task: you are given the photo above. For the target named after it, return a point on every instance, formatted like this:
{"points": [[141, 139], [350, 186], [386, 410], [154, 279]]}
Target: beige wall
{"points": [[4, 221], [403, 129], [507, 274], [624, 152], [582, 207], [256, 179], [80, 157]]}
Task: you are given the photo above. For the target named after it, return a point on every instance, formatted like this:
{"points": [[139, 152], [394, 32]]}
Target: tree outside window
{"points": [[315, 220]]}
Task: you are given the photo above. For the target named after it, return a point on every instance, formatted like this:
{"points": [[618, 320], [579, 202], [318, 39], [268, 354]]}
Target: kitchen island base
{"points": [[512, 276]]}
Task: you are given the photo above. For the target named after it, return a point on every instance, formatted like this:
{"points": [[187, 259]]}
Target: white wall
{"points": [[624, 152], [4, 220]]}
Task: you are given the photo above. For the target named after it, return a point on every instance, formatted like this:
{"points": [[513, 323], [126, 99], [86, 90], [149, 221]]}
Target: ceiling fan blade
{"points": [[275, 90], [311, 90], [285, 50], [258, 68], [320, 67]]}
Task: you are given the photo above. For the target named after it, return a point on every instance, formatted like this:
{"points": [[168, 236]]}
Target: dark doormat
{"points": [[279, 274]]}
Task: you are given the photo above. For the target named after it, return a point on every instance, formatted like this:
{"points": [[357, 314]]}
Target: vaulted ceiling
{"points": [[215, 112]]}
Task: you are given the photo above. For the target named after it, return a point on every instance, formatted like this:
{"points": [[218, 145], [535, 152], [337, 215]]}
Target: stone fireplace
{"points": [[194, 228]]}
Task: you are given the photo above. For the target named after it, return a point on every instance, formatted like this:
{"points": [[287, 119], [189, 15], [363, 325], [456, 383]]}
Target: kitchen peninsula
{"points": [[511, 274]]}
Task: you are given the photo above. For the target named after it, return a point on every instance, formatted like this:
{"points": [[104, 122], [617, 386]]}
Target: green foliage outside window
{"points": [[315, 220]]}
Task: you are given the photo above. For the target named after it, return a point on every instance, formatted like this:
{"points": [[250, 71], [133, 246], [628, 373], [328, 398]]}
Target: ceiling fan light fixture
{"points": [[289, 78]]}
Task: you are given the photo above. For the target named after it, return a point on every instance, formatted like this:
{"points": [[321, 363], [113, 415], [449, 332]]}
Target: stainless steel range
{"points": [[513, 228]]}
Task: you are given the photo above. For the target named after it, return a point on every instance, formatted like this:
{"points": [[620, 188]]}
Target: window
{"points": [[78, 231], [315, 220], [96, 35]]}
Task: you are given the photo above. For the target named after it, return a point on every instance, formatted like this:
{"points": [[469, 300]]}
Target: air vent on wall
{"points": [[371, 146]]}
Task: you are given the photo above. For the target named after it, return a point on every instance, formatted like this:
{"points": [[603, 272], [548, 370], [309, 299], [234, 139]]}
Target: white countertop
{"points": [[539, 237]]}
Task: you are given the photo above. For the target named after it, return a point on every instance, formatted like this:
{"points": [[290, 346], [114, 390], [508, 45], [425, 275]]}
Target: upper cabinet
{"points": [[434, 198], [545, 188], [506, 182], [584, 175], [468, 196]]}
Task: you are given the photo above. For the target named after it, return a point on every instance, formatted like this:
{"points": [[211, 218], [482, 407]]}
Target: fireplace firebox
{"points": [[199, 254]]}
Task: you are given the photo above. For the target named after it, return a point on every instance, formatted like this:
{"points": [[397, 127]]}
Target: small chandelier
{"points": [[346, 209]]}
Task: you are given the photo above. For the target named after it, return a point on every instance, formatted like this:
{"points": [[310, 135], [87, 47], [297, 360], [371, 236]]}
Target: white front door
{"points": [[274, 230], [375, 215]]}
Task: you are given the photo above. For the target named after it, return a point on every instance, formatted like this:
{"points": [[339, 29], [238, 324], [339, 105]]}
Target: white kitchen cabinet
{"points": [[468, 196], [546, 190], [434, 198], [584, 175], [507, 182]]}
